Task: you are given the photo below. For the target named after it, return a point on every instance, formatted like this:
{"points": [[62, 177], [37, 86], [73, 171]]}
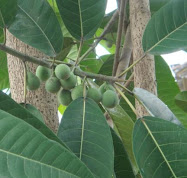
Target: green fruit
{"points": [[62, 71], [69, 83], [105, 86], [77, 92], [109, 43], [43, 73], [110, 99], [52, 85], [64, 97], [94, 94], [33, 81]]}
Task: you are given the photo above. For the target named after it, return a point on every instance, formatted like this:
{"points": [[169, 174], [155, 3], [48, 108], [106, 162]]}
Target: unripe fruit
{"points": [[77, 92], [62, 71], [33, 81], [110, 99], [104, 87], [109, 43], [69, 83], [52, 85], [43, 73], [64, 97], [94, 94]]}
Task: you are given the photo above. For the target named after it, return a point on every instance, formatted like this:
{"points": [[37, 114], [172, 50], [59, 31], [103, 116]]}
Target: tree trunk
{"points": [[144, 71], [45, 102]]}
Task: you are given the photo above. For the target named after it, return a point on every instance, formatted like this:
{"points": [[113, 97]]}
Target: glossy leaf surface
{"points": [[166, 31], [36, 25], [154, 105], [26, 152], [85, 131], [167, 88], [9, 105], [160, 148], [82, 17]]}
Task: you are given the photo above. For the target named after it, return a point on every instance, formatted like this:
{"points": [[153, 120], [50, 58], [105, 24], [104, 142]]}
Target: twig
{"points": [[119, 35], [105, 31], [45, 63], [25, 82], [123, 87]]}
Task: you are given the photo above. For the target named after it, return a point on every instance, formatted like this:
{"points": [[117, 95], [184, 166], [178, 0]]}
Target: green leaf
{"points": [[166, 31], [82, 17], [10, 106], [85, 131], [122, 166], [155, 5], [67, 46], [124, 126], [37, 25], [154, 105], [34, 111], [167, 88], [8, 11], [160, 148], [25, 152], [4, 79], [181, 100]]}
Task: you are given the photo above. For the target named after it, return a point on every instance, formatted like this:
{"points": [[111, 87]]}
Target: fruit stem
{"points": [[130, 67], [126, 99], [130, 92], [25, 82]]}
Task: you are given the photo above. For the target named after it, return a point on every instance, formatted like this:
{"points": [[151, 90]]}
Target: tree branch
{"points": [[44, 62]]}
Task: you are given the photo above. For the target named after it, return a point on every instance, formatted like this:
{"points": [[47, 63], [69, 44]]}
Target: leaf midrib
{"points": [[39, 29], [166, 37], [157, 145], [25, 158]]}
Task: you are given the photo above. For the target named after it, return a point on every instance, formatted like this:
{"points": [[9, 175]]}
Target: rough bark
{"points": [[45, 102], [144, 72]]}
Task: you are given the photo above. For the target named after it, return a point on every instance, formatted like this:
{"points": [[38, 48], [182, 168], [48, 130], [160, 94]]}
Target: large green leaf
{"points": [[122, 166], [167, 88], [25, 152], [124, 126], [82, 17], [160, 148], [181, 100], [85, 131], [37, 25], [166, 31], [155, 5], [154, 105], [10, 106], [8, 11]]}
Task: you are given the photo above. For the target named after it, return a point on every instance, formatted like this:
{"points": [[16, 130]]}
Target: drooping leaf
{"points": [[167, 88], [10, 106], [8, 11], [181, 100], [36, 25], [85, 131], [26, 152], [166, 31], [4, 79], [154, 105], [160, 148], [122, 165], [34, 111], [124, 125], [82, 17], [68, 43]]}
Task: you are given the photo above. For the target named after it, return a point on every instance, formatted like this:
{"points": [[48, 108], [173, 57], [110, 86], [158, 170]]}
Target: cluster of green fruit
{"points": [[63, 82]]}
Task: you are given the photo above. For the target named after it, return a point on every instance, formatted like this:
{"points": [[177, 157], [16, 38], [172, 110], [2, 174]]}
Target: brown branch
{"points": [[119, 35], [45, 63]]}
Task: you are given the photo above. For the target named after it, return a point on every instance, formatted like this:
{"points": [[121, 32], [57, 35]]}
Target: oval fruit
{"points": [[69, 83], [43, 73], [77, 92], [64, 97], [52, 85], [110, 99], [94, 94], [62, 72], [33, 82]]}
